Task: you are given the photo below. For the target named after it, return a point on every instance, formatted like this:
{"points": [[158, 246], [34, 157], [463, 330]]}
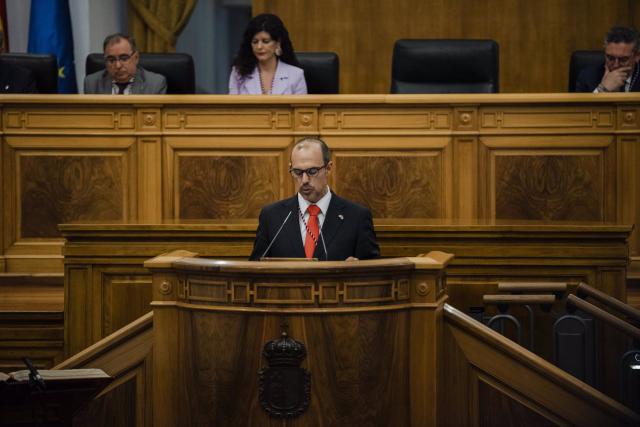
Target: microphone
{"points": [[326, 254], [276, 236], [35, 379]]}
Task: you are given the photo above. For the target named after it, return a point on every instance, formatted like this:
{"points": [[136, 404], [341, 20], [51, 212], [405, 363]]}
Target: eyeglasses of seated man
{"points": [[111, 60], [620, 55], [121, 60]]}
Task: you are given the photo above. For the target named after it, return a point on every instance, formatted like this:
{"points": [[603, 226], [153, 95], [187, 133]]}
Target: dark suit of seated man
{"points": [[621, 72], [121, 75], [315, 223]]}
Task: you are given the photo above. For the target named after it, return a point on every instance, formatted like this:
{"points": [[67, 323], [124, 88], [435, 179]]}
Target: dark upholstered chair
{"points": [[445, 66], [321, 71], [581, 59], [177, 68], [43, 67]]}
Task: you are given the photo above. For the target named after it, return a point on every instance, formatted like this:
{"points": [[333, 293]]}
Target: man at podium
{"points": [[315, 223]]}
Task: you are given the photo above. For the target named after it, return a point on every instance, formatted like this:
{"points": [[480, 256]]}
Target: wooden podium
{"points": [[372, 332]]}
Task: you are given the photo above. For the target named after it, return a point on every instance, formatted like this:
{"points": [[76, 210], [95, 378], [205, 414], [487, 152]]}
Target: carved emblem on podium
{"points": [[285, 387]]}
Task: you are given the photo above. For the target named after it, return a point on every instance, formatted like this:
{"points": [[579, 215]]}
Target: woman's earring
{"points": [[278, 51]]}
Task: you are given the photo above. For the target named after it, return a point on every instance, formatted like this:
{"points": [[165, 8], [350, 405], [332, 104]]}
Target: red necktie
{"points": [[313, 231]]}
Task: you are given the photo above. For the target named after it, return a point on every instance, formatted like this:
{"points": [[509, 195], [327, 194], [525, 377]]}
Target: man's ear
{"points": [[329, 166]]}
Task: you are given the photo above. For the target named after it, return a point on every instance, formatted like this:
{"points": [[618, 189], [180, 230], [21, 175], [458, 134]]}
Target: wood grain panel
{"points": [[549, 187], [126, 356], [497, 408], [72, 118], [628, 180], [536, 38], [34, 334], [126, 298], [483, 368], [115, 408], [546, 118], [393, 185], [226, 186], [60, 189], [367, 358]]}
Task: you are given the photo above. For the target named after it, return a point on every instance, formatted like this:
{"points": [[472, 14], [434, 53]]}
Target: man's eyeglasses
{"points": [[122, 58], [621, 59], [311, 172]]}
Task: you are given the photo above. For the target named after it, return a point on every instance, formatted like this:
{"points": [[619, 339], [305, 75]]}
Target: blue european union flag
{"points": [[50, 32]]}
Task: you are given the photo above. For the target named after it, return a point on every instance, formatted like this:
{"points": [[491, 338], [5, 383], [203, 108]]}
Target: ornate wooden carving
{"points": [[61, 189], [549, 187], [458, 157], [393, 186], [285, 387], [226, 187]]}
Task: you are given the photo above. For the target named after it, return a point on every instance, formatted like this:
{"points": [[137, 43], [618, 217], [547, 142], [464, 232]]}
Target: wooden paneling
{"points": [[97, 255], [393, 184], [498, 406], [152, 159], [223, 186], [126, 356], [31, 320], [491, 381], [357, 347], [548, 187], [536, 38], [63, 189]]}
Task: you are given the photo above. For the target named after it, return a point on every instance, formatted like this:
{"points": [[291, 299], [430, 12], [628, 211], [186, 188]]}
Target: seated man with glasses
{"points": [[121, 75], [620, 72], [315, 223]]}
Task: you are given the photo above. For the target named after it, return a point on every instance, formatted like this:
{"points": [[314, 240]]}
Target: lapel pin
{"points": [[341, 217]]}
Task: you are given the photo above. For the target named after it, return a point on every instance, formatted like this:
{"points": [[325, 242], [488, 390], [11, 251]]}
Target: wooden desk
{"points": [[372, 332], [553, 157], [106, 285]]}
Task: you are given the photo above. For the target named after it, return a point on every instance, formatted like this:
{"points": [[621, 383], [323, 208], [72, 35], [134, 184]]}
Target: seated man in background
{"points": [[621, 71], [315, 222], [121, 75], [13, 78]]}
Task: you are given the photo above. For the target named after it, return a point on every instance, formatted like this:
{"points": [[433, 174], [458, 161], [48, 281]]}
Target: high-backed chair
{"points": [[321, 71], [177, 68], [581, 59], [43, 67], [445, 66]]}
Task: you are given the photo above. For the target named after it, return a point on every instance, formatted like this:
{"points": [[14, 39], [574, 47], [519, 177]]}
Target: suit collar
{"points": [[280, 80], [136, 86], [291, 229], [332, 223]]}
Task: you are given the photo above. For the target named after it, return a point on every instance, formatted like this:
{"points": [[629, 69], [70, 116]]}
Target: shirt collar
{"points": [[323, 203], [113, 82]]}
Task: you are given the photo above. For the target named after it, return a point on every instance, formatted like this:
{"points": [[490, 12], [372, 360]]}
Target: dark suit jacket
{"points": [[16, 79], [590, 77], [347, 230], [146, 82]]}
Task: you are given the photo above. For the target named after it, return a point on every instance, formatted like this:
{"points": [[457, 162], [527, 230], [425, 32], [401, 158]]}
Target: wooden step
{"points": [[32, 292]]}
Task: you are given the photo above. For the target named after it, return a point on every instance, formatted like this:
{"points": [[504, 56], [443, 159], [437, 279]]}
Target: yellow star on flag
{"points": [[61, 72]]}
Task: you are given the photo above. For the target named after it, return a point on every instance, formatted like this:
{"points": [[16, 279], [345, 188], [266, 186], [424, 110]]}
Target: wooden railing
{"points": [[125, 355], [583, 290], [484, 370]]}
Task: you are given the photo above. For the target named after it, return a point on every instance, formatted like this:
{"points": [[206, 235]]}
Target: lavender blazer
{"points": [[288, 80]]}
